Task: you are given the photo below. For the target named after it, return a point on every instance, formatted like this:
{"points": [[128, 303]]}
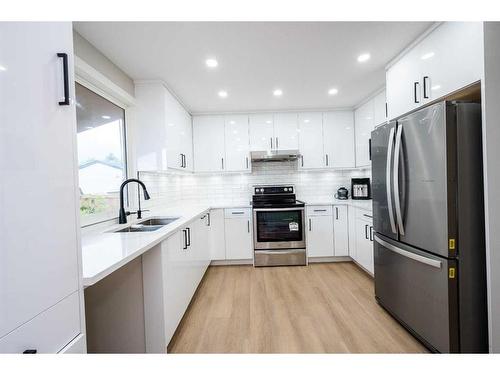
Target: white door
{"points": [[320, 236], [38, 194], [237, 143], [338, 139], [238, 239], [285, 131], [341, 230], [364, 124], [208, 139], [379, 109], [217, 234], [311, 140], [261, 132]]}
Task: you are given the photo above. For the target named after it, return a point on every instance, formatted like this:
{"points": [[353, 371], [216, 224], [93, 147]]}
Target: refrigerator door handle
{"points": [[388, 180], [397, 198], [418, 258]]}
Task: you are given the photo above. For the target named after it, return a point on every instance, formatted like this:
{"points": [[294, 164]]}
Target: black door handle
{"points": [[415, 84], [184, 231], [366, 231], [370, 149], [425, 87], [188, 236], [371, 234], [64, 57]]}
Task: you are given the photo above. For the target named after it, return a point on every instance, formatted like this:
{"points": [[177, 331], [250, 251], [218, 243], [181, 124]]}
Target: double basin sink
{"points": [[148, 225]]}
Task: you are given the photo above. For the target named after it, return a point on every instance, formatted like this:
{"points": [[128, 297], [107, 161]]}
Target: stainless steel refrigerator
{"points": [[428, 214]]}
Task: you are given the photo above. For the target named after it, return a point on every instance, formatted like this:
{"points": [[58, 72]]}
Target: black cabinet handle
{"points": [[386, 111], [30, 351], [248, 226], [188, 236], [277, 147], [222, 161], [271, 142], [64, 57], [184, 231], [370, 149], [310, 225], [302, 159], [323, 210], [366, 231], [415, 84], [326, 159], [371, 234], [425, 87], [247, 161], [208, 219], [336, 213]]}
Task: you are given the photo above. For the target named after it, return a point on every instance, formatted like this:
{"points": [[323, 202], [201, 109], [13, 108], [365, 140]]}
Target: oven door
{"points": [[279, 228]]}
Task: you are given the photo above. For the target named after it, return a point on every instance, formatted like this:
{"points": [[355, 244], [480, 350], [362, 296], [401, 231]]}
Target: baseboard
{"points": [[329, 259], [234, 262]]}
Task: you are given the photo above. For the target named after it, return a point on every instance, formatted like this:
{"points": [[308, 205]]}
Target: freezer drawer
{"points": [[420, 290]]}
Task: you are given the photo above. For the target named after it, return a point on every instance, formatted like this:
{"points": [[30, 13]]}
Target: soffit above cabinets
{"points": [[303, 59]]}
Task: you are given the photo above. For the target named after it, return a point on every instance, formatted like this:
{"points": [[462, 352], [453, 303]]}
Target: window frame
{"points": [[83, 82]]}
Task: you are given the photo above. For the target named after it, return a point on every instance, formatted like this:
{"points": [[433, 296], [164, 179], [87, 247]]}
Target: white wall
{"points": [[491, 154]]}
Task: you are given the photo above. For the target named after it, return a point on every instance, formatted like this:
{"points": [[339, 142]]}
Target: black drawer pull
{"points": [[30, 351], [64, 57]]}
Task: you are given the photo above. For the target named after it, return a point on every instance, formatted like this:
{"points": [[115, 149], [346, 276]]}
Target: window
{"points": [[101, 155]]}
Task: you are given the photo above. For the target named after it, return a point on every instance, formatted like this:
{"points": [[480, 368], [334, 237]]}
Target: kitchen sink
{"points": [[148, 225]]}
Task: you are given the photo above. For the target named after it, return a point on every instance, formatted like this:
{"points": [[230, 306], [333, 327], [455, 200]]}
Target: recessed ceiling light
{"points": [[2, 68], [364, 57], [211, 63], [333, 91], [277, 92], [223, 94], [427, 56], [106, 117]]}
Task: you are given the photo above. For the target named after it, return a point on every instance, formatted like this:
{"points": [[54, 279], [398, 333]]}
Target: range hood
{"points": [[275, 155]]}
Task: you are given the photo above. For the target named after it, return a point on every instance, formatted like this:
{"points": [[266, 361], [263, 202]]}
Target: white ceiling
{"points": [[304, 59]]}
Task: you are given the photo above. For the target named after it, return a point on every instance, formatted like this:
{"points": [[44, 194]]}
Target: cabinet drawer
{"points": [[364, 215], [235, 213], [48, 332], [319, 210]]}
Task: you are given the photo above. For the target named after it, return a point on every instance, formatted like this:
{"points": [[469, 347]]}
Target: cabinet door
{"points": [[208, 138], [320, 236], [261, 132], [340, 230], [364, 244], [450, 58], [39, 256], [187, 141], [311, 140], [379, 109], [217, 235], [364, 124], [239, 243], [338, 139], [285, 131], [237, 143], [174, 122]]}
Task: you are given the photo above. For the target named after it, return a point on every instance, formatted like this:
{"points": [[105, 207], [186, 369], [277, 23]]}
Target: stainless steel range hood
{"points": [[275, 155]]}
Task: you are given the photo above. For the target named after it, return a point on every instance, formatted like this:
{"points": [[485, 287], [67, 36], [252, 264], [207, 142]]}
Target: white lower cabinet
{"points": [[217, 236], [319, 236], [171, 273], [364, 240], [340, 230], [238, 230]]}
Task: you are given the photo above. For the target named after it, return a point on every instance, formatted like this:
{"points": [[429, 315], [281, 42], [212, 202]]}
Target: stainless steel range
{"points": [[279, 227]]}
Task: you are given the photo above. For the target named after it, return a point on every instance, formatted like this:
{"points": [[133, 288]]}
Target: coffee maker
{"points": [[360, 188]]}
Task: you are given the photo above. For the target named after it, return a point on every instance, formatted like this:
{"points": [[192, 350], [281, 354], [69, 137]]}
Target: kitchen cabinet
{"points": [[171, 273], [338, 139], [285, 131], [449, 58], [340, 230], [319, 236], [237, 143], [311, 140], [261, 131], [40, 265], [217, 236], [238, 230], [364, 124], [379, 109], [164, 136], [208, 143], [364, 240]]}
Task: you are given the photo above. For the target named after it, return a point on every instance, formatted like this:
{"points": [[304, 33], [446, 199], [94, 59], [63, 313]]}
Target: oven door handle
{"points": [[280, 209]]}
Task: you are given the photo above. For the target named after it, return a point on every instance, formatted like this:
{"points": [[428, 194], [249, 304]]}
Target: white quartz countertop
{"points": [[103, 252], [358, 203]]}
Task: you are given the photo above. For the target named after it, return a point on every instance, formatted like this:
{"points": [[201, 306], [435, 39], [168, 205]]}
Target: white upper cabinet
{"points": [[338, 139], [285, 131], [446, 60], [208, 140], [379, 109], [237, 143], [364, 123], [311, 140], [163, 128], [39, 261], [261, 132]]}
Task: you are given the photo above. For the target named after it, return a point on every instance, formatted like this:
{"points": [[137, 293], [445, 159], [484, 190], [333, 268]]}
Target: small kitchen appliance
{"points": [[342, 193], [360, 188]]}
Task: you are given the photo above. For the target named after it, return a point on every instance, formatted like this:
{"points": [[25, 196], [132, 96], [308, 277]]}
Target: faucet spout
{"points": [[122, 217]]}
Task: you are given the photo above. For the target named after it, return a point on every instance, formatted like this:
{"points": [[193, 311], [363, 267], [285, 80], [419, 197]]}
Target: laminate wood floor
{"points": [[322, 308]]}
